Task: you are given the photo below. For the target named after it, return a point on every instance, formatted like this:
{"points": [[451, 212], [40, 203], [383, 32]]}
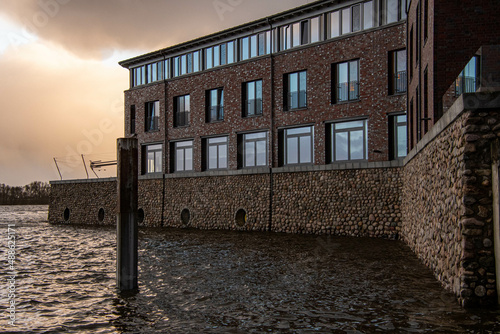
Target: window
{"points": [[255, 149], [255, 45], [426, 19], [217, 153], [410, 53], [138, 76], [300, 33], [398, 136], [183, 156], [215, 105], [398, 79], [152, 115], [153, 158], [252, 101], [349, 141], [351, 19], [154, 71], [218, 55], [467, 81], [295, 90], [182, 109], [346, 81], [298, 145], [393, 11], [187, 63], [132, 119]]}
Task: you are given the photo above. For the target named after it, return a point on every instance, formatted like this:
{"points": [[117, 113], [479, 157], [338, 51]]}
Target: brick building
{"points": [[323, 83], [297, 123]]}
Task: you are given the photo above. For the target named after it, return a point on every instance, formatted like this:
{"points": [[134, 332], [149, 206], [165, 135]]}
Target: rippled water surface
{"points": [[221, 282]]}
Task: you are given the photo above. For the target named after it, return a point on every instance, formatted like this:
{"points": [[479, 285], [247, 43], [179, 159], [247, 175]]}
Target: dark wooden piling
{"points": [[126, 227]]}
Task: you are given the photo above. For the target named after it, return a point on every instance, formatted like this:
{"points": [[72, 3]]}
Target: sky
{"points": [[61, 88]]}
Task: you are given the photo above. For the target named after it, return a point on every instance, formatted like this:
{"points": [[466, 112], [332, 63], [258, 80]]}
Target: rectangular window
{"points": [[252, 102], [349, 141], [253, 46], [426, 19], [182, 109], [152, 114], [295, 90], [245, 48], [425, 102], [153, 158], [209, 61], [286, 37], [196, 61], [139, 76], [391, 11], [217, 153], [215, 105], [132, 119], [183, 156], [315, 29], [230, 52], [298, 145], [255, 149], [398, 78], [296, 34], [356, 18], [346, 21], [398, 137], [368, 15], [166, 69], [304, 32], [346, 76], [410, 53], [467, 81], [334, 24]]}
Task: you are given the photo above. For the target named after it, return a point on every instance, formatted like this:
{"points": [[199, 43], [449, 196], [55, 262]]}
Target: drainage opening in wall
{"points": [[185, 216], [100, 215], [66, 214], [241, 217], [140, 216]]}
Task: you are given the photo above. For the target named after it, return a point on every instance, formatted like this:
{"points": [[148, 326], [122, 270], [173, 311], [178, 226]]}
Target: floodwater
{"points": [[220, 282]]}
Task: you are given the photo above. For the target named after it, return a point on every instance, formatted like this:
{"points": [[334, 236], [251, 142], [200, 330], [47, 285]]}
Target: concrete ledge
{"points": [[109, 179]]}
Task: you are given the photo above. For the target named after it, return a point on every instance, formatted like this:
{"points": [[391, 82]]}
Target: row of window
{"points": [[361, 16], [345, 89], [348, 141]]}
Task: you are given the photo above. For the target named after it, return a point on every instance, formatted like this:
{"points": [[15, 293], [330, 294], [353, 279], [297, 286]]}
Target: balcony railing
{"points": [[400, 82], [216, 113], [348, 91], [465, 85], [297, 100], [182, 118], [254, 107], [152, 123]]}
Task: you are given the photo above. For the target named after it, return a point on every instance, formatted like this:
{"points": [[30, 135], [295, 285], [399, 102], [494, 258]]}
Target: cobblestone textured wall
{"points": [[91, 202], [447, 206], [353, 202]]}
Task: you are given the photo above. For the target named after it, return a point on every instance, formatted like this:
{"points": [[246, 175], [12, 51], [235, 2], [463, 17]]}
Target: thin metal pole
{"points": [[60, 175], [86, 171]]}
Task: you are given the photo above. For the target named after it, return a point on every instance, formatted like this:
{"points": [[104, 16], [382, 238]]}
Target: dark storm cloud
{"points": [[87, 27]]}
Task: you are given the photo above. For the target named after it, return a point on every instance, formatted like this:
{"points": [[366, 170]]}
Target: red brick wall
{"points": [[371, 48]]}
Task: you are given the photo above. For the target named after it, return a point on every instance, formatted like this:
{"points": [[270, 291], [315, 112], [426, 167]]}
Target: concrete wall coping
{"points": [[466, 102], [95, 180], [254, 171]]}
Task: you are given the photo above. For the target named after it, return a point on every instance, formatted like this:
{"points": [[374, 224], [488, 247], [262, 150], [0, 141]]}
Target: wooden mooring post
{"points": [[126, 225]]}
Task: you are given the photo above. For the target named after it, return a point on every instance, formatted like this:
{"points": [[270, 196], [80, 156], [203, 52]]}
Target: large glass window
{"points": [[184, 156], [398, 77], [138, 76], [393, 10], [255, 45], [255, 149], [351, 19], [296, 90], [252, 105], [182, 109], [218, 55], [349, 141], [467, 81], [217, 153], [152, 116], [299, 145], [346, 76], [215, 105], [398, 136], [153, 159]]}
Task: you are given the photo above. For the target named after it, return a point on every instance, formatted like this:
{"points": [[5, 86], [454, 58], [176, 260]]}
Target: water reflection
{"points": [[226, 282]]}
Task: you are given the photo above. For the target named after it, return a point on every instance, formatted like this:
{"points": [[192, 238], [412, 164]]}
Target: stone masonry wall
{"points": [[447, 206], [91, 202], [351, 202]]}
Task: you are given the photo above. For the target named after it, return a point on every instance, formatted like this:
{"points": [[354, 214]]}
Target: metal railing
{"points": [[465, 84], [400, 82], [347, 91], [152, 123]]}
